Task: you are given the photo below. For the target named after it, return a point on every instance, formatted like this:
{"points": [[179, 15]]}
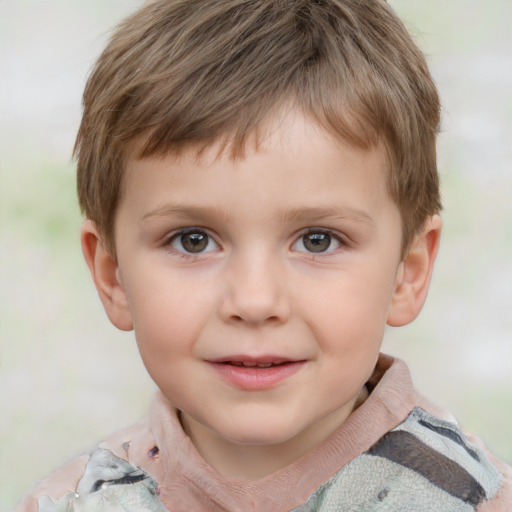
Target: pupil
{"points": [[317, 242], [194, 242]]}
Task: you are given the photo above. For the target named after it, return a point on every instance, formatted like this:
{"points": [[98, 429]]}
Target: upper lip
{"points": [[263, 359]]}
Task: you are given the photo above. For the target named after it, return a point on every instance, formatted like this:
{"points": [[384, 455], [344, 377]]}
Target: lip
{"points": [[254, 359], [253, 378]]}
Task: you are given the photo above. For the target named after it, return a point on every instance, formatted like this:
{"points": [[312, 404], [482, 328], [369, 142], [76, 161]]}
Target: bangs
{"points": [[179, 74]]}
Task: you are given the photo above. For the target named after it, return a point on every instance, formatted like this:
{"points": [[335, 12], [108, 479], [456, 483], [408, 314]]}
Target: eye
{"points": [[193, 241], [317, 242]]}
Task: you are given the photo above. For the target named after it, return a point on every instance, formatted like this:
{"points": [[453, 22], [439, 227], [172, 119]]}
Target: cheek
{"points": [[168, 312], [167, 327], [349, 313]]}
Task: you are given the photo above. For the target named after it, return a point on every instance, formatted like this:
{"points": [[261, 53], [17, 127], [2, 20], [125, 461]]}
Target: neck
{"points": [[253, 462]]}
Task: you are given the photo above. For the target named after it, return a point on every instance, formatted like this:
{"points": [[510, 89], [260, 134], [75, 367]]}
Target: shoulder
{"points": [[436, 451], [103, 480], [425, 463], [58, 483]]}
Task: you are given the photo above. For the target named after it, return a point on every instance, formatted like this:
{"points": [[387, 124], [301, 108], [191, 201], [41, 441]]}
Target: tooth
{"points": [[249, 364], [264, 365]]}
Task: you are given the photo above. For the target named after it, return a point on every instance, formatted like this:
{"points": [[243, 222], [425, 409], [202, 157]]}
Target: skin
{"points": [[256, 289]]}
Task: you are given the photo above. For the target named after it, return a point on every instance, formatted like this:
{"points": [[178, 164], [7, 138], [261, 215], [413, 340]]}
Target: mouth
{"points": [[246, 364], [254, 362], [253, 373]]}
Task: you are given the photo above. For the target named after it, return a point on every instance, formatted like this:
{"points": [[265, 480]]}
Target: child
{"points": [[260, 186]]}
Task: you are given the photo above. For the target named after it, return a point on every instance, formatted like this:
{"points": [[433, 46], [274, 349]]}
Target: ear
{"points": [[414, 274], [106, 277]]}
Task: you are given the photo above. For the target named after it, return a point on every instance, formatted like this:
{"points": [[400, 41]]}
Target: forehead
{"points": [[287, 130], [345, 125], [291, 165]]}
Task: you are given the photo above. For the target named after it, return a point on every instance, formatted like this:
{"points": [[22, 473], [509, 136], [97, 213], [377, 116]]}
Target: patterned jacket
{"points": [[396, 453]]}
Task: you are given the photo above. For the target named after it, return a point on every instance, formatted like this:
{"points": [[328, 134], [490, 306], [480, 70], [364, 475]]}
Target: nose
{"points": [[254, 291]]}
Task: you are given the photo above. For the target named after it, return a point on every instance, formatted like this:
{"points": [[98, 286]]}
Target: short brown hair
{"points": [[184, 72]]}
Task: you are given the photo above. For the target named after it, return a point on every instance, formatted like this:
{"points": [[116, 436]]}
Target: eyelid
{"points": [[335, 235], [169, 239], [328, 231]]}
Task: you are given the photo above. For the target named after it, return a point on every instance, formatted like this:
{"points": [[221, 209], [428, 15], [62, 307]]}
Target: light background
{"points": [[68, 379]]}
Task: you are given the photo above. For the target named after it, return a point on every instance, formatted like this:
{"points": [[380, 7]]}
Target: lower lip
{"points": [[254, 378]]}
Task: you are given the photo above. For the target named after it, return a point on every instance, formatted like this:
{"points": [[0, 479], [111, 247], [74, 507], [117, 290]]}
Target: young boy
{"points": [[260, 186]]}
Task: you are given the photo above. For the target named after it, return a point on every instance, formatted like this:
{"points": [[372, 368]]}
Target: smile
{"points": [[254, 374], [252, 364]]}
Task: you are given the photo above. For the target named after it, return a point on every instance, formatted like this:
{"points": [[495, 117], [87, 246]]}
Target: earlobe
{"points": [[105, 274], [414, 274]]}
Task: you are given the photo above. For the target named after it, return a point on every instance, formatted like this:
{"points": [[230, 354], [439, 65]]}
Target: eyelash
{"points": [[168, 243], [333, 237]]}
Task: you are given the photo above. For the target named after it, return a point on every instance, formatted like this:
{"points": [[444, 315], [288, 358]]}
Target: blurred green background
{"points": [[68, 379]]}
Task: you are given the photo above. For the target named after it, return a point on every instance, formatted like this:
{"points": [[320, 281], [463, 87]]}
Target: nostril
{"points": [[255, 319], [253, 308]]}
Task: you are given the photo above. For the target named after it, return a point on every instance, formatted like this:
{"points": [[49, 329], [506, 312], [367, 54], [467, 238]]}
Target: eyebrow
{"points": [[320, 213], [181, 210], [298, 214]]}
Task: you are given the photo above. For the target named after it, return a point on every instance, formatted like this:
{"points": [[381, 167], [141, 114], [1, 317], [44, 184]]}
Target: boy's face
{"points": [[259, 289]]}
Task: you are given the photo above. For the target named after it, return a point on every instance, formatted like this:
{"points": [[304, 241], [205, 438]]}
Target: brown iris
{"points": [[194, 242], [317, 242]]}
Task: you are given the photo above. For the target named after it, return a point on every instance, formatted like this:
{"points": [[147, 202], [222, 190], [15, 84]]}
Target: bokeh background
{"points": [[68, 378]]}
